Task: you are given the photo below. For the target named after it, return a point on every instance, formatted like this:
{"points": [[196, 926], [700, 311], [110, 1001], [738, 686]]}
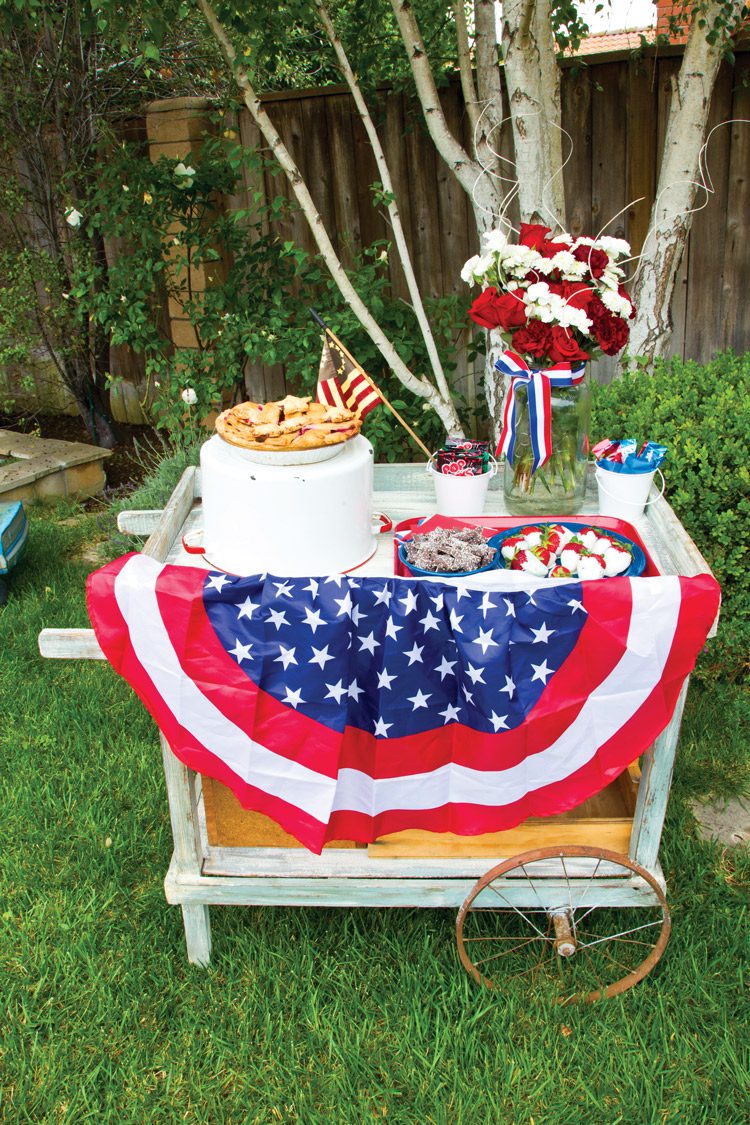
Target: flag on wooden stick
{"points": [[342, 382]]}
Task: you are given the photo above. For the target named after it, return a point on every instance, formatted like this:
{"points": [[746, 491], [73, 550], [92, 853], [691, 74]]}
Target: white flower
{"points": [[564, 261], [584, 240], [494, 241], [515, 257], [469, 269], [383, 256], [615, 247], [539, 293], [186, 174], [616, 304], [73, 217], [189, 396], [571, 317], [610, 279]]}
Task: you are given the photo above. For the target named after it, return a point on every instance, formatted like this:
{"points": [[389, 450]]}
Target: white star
{"points": [[468, 696], [438, 602], [242, 652], [498, 722], [474, 674], [368, 643], [391, 630], [384, 679], [429, 622], [445, 668], [357, 615], [450, 714], [456, 621], [355, 691], [218, 581], [461, 592], [531, 600], [541, 636], [277, 618], [415, 655], [283, 590], [321, 657], [337, 578], [381, 729], [574, 605], [419, 700], [312, 586], [286, 657], [510, 687], [383, 597], [487, 603], [485, 641], [246, 609], [410, 603], [293, 697], [345, 603], [541, 672], [336, 691], [313, 618], [511, 610]]}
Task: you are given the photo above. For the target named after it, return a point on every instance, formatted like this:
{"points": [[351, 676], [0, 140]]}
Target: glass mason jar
{"points": [[558, 487]]}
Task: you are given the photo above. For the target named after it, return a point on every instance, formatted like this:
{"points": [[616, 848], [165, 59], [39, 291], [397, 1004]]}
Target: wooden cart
{"points": [[576, 859]]}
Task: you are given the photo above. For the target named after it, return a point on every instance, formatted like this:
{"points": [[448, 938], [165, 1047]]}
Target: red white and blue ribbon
{"points": [[540, 384]]}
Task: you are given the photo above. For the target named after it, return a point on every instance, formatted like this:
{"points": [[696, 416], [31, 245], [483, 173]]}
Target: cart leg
{"points": [[653, 790], [197, 934]]}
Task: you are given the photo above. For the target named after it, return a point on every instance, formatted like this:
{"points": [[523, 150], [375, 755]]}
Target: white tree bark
{"points": [[421, 387], [481, 186], [532, 78], [391, 204], [680, 180]]}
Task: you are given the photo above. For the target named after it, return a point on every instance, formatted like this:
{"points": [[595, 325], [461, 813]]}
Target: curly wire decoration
{"points": [[704, 183]]}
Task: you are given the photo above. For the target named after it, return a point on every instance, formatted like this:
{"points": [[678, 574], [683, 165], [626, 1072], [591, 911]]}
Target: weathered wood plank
{"points": [[576, 120], [736, 284], [642, 111], [159, 543], [347, 234], [139, 521], [69, 644], [653, 791]]}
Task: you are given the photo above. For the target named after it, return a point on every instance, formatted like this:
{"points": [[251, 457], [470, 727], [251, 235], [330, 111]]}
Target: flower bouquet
{"points": [[556, 303]]}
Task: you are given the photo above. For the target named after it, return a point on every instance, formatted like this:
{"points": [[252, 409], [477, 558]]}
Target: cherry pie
{"points": [[293, 423]]}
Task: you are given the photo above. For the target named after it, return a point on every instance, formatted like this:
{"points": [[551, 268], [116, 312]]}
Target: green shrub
{"points": [[702, 414]]}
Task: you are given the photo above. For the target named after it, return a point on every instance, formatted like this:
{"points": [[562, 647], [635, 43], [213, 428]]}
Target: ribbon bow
{"points": [[540, 385]]}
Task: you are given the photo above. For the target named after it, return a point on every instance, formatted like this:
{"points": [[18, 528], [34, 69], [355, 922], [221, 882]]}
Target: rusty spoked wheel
{"points": [[577, 923]]}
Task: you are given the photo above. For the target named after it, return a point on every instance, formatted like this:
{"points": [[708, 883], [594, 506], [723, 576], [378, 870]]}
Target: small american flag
{"points": [[342, 382], [346, 708]]}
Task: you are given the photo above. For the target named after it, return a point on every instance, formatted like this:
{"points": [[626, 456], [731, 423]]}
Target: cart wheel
{"points": [[555, 918]]}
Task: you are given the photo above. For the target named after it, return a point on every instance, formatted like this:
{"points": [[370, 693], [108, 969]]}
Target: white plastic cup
{"points": [[625, 495], [461, 496]]}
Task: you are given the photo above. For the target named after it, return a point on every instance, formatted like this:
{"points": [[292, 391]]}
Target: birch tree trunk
{"points": [[680, 180], [532, 77], [420, 386]]}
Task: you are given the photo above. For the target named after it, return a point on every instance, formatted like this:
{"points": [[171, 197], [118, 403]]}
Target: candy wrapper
{"points": [[463, 458], [619, 455]]}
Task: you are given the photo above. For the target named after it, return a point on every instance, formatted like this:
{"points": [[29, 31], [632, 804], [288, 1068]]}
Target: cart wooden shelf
{"points": [[406, 869]]}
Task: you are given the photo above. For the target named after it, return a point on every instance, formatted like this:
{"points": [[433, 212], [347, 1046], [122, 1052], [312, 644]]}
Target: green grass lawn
{"points": [[310, 1015]]}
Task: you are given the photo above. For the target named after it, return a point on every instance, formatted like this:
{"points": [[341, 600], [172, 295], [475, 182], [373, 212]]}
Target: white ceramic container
{"points": [[286, 519]]}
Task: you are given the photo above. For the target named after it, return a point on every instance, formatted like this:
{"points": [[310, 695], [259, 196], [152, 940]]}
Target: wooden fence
{"points": [[615, 112]]}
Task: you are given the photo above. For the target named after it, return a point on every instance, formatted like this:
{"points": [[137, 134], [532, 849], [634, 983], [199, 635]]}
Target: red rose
{"points": [[532, 234], [596, 260], [577, 294], [484, 311], [564, 347], [622, 293], [533, 339], [612, 333], [492, 310], [548, 249]]}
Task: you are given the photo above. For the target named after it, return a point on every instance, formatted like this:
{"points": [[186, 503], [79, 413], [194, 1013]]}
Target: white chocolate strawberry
{"points": [[570, 555], [511, 545], [591, 566], [616, 560], [602, 544], [564, 535], [560, 572], [532, 535], [529, 563], [588, 537]]}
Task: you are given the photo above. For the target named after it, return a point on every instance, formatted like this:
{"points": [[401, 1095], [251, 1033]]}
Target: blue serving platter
{"points": [[636, 568], [419, 573]]}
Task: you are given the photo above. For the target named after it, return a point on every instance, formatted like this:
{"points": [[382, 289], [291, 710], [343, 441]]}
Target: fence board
{"points": [[736, 258]]}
